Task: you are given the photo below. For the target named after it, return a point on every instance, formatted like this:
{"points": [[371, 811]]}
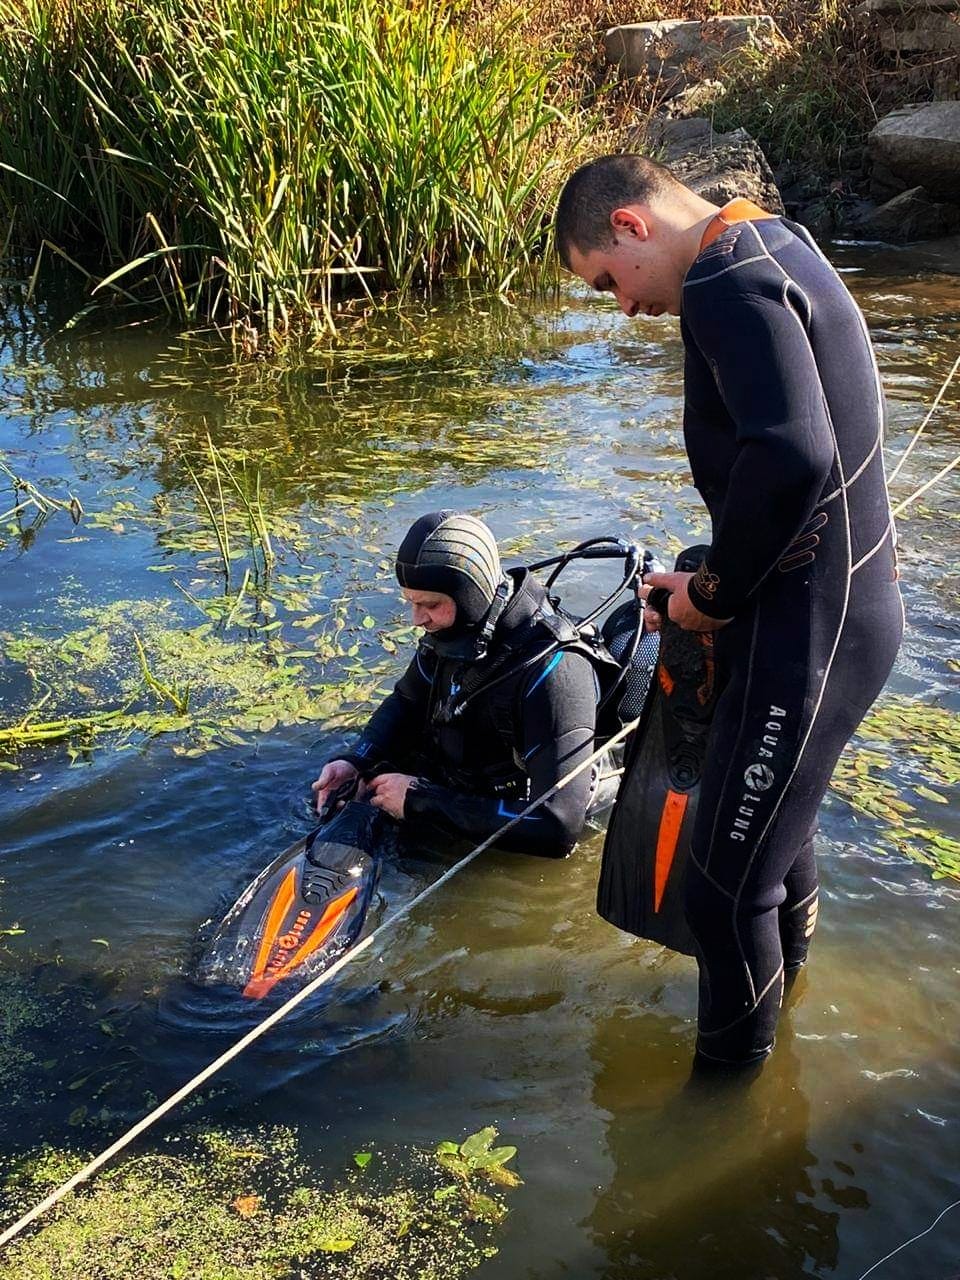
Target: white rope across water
{"points": [[279, 1014]]}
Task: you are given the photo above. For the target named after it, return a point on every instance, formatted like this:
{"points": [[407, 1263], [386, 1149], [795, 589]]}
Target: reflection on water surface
{"points": [[505, 1000]]}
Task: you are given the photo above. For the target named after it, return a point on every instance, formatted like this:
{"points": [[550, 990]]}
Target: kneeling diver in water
{"points": [[499, 704], [478, 726]]}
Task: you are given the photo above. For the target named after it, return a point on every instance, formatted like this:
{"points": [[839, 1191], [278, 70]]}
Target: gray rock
{"points": [[819, 217], [923, 32], [895, 8], [720, 166], [675, 54], [919, 146], [912, 215], [697, 98]]}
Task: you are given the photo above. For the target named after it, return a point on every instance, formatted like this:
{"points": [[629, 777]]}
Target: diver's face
{"points": [[431, 610], [636, 266]]}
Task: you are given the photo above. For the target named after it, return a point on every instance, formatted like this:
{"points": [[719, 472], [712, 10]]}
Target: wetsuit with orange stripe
{"points": [[783, 425]]}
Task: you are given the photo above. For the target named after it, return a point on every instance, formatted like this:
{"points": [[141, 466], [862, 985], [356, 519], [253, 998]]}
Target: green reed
{"points": [[252, 163]]}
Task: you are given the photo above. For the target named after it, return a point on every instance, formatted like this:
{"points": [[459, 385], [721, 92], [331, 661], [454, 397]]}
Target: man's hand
{"points": [[388, 791], [333, 775], [682, 610]]}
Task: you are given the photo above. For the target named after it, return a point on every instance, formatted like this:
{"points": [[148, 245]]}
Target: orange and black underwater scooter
{"points": [[306, 907]]}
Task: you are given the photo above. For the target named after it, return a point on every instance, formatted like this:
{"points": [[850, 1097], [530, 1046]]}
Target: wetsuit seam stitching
{"points": [[707, 876], [719, 1031], [734, 266], [743, 719], [833, 652], [803, 901], [873, 550], [735, 897], [857, 474]]}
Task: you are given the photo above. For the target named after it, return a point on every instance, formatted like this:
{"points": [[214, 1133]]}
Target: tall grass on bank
{"points": [[812, 100], [252, 161]]}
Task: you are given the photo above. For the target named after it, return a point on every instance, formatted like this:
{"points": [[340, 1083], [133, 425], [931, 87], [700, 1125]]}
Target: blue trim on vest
{"points": [[504, 812], [554, 661]]}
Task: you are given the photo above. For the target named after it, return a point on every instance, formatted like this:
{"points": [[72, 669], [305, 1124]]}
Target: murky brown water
{"points": [[507, 1000]]}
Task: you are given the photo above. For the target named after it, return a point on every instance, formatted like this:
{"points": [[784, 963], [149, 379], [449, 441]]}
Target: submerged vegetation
{"points": [[232, 1204], [905, 747], [251, 164]]}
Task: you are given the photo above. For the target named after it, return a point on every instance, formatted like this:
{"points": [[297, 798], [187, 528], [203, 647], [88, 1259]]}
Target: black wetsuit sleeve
{"points": [[558, 708], [400, 718], [756, 345]]}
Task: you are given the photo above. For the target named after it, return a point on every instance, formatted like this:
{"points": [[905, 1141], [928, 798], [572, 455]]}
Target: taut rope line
{"points": [[278, 1014]]}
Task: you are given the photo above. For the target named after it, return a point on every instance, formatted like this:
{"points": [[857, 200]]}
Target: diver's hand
{"points": [[333, 775], [388, 791], [681, 608]]}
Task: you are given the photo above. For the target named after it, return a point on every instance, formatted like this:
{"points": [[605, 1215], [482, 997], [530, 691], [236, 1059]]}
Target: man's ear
{"points": [[631, 220]]}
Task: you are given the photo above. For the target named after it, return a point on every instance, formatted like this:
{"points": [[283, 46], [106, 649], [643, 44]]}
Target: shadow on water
{"points": [[716, 1180]]}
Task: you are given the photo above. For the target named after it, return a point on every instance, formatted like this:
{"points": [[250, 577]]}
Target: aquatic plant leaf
{"points": [[478, 1145], [454, 1164], [928, 794], [335, 1246], [362, 1158], [246, 1206], [496, 1156]]}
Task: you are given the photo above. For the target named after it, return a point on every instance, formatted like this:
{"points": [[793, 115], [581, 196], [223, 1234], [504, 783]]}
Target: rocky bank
{"points": [[908, 185]]}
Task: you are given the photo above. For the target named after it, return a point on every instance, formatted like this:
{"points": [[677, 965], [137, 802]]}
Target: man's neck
{"points": [[689, 220]]}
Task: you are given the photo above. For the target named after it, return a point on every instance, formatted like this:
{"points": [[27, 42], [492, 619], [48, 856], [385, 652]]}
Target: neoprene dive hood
{"points": [[455, 554]]}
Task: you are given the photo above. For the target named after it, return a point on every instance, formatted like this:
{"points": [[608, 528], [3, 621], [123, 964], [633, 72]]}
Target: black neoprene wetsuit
{"points": [[783, 425], [511, 744]]}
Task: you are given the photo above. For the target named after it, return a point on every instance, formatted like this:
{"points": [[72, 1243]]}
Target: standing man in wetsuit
{"points": [[483, 720], [783, 417]]}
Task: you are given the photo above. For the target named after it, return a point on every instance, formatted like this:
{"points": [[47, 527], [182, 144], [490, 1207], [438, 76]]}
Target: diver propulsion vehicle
{"points": [[648, 838], [306, 908]]}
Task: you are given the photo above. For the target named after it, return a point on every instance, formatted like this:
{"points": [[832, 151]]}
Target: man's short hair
{"points": [[592, 193]]}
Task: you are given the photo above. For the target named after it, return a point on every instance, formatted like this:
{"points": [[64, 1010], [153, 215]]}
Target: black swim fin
{"points": [[648, 838]]}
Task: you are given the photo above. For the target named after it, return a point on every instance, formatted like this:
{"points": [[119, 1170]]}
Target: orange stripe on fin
{"points": [[666, 680], [671, 820]]}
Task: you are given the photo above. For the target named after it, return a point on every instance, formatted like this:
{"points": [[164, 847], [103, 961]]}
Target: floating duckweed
{"points": [[23, 1011], [134, 670], [230, 1204], [925, 755]]}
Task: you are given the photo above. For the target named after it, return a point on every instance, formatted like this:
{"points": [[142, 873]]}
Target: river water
{"points": [[505, 1000]]}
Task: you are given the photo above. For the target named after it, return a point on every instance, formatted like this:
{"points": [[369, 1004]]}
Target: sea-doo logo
{"points": [[288, 941], [758, 777]]}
